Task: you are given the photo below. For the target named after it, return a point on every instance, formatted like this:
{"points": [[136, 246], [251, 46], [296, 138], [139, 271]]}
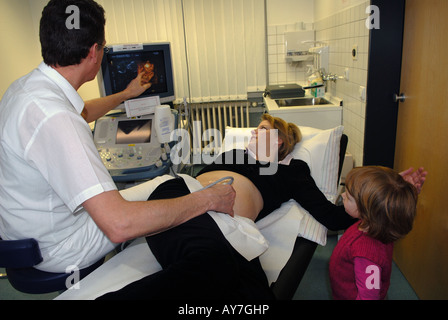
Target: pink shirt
{"points": [[364, 275], [360, 266]]}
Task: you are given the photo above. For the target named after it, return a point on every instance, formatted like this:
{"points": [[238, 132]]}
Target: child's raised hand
{"points": [[416, 178]]}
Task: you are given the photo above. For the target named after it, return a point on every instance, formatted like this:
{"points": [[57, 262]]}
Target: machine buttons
{"points": [[126, 156], [132, 157]]}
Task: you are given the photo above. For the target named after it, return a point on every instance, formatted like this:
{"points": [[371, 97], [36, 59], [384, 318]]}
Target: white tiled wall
{"points": [[342, 31], [281, 71]]}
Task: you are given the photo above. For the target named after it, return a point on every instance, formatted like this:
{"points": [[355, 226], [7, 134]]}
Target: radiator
{"points": [[209, 121]]}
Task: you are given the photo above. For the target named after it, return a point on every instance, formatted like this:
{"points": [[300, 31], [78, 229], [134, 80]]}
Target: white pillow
{"points": [[318, 148]]}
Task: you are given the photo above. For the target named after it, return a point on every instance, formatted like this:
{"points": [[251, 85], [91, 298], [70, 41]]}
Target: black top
{"points": [[291, 181]]}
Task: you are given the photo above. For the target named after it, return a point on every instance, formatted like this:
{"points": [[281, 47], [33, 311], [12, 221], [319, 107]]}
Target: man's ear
{"points": [[94, 53]]}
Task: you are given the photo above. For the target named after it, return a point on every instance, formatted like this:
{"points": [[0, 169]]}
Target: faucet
{"points": [[329, 76]]}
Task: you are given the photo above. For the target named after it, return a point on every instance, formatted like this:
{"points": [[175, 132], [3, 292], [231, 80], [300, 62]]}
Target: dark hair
{"points": [[386, 203], [63, 45], [288, 132]]}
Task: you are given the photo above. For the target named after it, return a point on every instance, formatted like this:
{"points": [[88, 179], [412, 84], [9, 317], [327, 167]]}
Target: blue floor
{"points": [[314, 286]]}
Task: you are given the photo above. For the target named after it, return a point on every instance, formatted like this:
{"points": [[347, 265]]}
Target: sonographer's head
{"points": [[69, 29]]}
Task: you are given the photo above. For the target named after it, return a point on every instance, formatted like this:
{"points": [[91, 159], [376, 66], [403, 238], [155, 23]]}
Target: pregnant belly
{"points": [[248, 200]]}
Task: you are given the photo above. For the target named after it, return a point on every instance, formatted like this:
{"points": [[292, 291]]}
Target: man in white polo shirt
{"points": [[53, 185]]}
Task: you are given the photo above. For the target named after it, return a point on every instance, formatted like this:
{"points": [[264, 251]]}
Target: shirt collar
{"points": [[70, 92], [287, 160]]}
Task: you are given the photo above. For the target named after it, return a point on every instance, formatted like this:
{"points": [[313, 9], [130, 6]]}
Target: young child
{"points": [[361, 263]]}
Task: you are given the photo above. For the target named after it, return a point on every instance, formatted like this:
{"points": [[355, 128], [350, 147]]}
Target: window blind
{"points": [[225, 42], [218, 46]]}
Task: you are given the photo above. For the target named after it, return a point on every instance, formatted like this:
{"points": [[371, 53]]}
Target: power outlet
{"points": [[347, 74], [362, 93]]}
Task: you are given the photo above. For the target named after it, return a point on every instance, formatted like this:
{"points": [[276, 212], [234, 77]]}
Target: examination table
{"points": [[285, 240]]}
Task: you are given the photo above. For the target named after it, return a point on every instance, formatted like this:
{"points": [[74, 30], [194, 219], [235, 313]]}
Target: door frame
{"points": [[383, 81]]}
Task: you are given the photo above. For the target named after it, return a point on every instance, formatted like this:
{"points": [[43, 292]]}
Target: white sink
{"points": [[321, 113], [298, 102]]}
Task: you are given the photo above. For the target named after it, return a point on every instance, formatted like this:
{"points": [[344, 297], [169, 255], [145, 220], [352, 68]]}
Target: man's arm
{"points": [[97, 108], [123, 220]]}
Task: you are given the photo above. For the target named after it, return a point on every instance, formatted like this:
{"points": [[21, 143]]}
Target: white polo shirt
{"points": [[48, 167]]}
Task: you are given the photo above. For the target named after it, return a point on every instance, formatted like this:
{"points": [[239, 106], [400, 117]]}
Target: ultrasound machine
{"points": [[128, 139]]}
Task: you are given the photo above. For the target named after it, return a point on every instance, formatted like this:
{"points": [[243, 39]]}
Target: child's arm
{"points": [[368, 279]]}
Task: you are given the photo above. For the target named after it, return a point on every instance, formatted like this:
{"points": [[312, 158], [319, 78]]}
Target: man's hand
{"points": [[222, 198], [135, 87]]}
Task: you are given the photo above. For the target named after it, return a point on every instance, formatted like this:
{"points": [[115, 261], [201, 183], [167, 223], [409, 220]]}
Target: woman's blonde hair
{"points": [[387, 204], [288, 132]]}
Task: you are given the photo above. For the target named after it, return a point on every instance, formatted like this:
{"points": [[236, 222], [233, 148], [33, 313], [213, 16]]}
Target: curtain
{"points": [[218, 46]]}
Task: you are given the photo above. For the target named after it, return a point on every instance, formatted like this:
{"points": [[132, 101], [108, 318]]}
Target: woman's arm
{"points": [[309, 196]]}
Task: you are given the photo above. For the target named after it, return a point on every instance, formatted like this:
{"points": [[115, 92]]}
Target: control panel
{"points": [[129, 148]]}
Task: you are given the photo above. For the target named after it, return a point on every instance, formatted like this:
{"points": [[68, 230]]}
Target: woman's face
{"points": [[264, 143], [265, 124]]}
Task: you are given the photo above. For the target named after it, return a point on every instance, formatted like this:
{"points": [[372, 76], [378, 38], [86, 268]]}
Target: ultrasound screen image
{"points": [[124, 67], [134, 131]]}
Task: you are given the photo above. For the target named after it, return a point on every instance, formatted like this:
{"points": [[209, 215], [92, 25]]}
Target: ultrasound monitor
{"points": [[122, 63], [134, 131]]}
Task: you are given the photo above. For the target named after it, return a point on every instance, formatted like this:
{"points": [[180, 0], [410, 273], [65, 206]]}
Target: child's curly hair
{"points": [[386, 202]]}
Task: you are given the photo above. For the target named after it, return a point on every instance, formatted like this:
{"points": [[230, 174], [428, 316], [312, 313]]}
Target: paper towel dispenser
{"points": [[297, 45]]}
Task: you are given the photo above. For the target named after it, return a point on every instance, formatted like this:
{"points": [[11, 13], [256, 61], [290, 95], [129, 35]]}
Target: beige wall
{"points": [[20, 49], [282, 12], [326, 8]]}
